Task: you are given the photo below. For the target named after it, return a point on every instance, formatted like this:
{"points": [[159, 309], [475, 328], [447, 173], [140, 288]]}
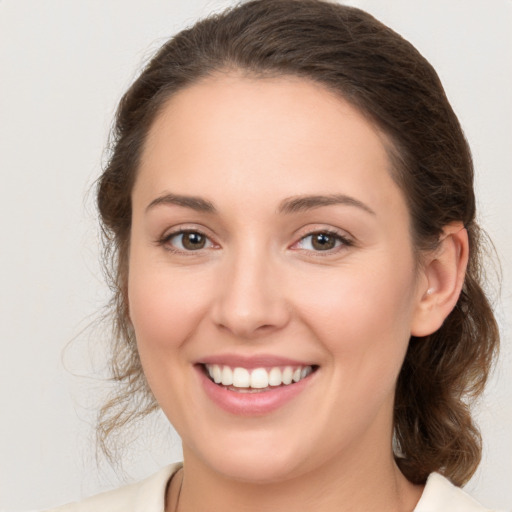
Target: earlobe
{"points": [[444, 273]]}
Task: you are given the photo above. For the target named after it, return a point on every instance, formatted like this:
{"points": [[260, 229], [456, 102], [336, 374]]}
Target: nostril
{"points": [[265, 327]]}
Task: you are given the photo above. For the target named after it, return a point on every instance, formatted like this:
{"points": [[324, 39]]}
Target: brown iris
{"points": [[193, 241], [323, 241]]}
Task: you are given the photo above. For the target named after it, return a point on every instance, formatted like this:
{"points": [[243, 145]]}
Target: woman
{"points": [[290, 210]]}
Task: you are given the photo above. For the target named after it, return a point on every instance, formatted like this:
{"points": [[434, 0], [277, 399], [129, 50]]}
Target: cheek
{"points": [[360, 313], [164, 307], [165, 310]]}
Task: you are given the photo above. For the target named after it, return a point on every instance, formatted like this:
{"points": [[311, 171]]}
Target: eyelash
{"points": [[166, 239], [344, 241]]}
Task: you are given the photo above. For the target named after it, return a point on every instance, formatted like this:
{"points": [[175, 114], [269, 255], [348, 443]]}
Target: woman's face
{"points": [[269, 239]]}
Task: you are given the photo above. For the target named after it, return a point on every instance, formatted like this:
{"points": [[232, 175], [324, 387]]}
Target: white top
{"points": [[439, 495]]}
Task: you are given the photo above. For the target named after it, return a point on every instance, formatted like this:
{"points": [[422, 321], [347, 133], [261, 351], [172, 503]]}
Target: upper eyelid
{"points": [[164, 242], [345, 240], [168, 234], [184, 228], [343, 235], [308, 231]]}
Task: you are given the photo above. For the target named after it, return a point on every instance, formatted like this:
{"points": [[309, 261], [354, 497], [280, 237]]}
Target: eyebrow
{"points": [[287, 206], [195, 203], [304, 203]]}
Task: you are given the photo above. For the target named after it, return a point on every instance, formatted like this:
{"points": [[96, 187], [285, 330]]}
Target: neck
{"points": [[338, 486]]}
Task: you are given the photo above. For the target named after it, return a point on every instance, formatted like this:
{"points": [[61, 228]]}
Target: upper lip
{"points": [[250, 362]]}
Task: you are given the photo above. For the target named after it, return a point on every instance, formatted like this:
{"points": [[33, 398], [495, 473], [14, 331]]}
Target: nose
{"points": [[250, 301]]}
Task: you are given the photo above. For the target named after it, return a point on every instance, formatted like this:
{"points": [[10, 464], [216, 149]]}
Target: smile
{"points": [[256, 379], [254, 386]]}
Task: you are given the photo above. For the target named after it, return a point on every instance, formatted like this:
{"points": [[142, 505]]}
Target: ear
{"points": [[443, 276]]}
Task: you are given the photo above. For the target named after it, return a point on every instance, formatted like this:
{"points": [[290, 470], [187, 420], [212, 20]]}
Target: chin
{"points": [[257, 459]]}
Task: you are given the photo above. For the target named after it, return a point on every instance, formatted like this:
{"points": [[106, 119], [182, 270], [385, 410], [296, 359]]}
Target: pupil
{"points": [[323, 242], [193, 241]]}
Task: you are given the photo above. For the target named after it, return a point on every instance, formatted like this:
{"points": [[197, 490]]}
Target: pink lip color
{"points": [[251, 404], [260, 361]]}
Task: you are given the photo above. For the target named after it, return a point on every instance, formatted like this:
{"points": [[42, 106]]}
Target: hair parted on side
{"points": [[351, 53]]}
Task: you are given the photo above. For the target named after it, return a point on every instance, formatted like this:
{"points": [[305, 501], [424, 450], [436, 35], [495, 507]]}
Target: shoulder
{"points": [[440, 495], [145, 496]]}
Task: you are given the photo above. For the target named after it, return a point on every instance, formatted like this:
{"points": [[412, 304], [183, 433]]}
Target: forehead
{"points": [[284, 135]]}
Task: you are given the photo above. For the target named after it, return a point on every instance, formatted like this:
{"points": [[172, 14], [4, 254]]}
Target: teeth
{"points": [[275, 377], [305, 372], [241, 378], [227, 376], [216, 374], [287, 375], [258, 378]]}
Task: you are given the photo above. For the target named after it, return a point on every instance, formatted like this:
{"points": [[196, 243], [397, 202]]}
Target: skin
{"points": [[260, 286]]}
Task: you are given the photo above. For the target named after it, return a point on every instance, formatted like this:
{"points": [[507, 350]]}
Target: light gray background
{"points": [[63, 66]]}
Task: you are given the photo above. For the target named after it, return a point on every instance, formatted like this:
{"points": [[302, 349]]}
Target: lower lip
{"points": [[252, 404]]}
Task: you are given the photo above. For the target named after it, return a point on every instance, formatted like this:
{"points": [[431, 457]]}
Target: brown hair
{"points": [[349, 52]]}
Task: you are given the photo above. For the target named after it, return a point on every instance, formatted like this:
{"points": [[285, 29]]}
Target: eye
{"points": [[322, 241], [187, 240]]}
